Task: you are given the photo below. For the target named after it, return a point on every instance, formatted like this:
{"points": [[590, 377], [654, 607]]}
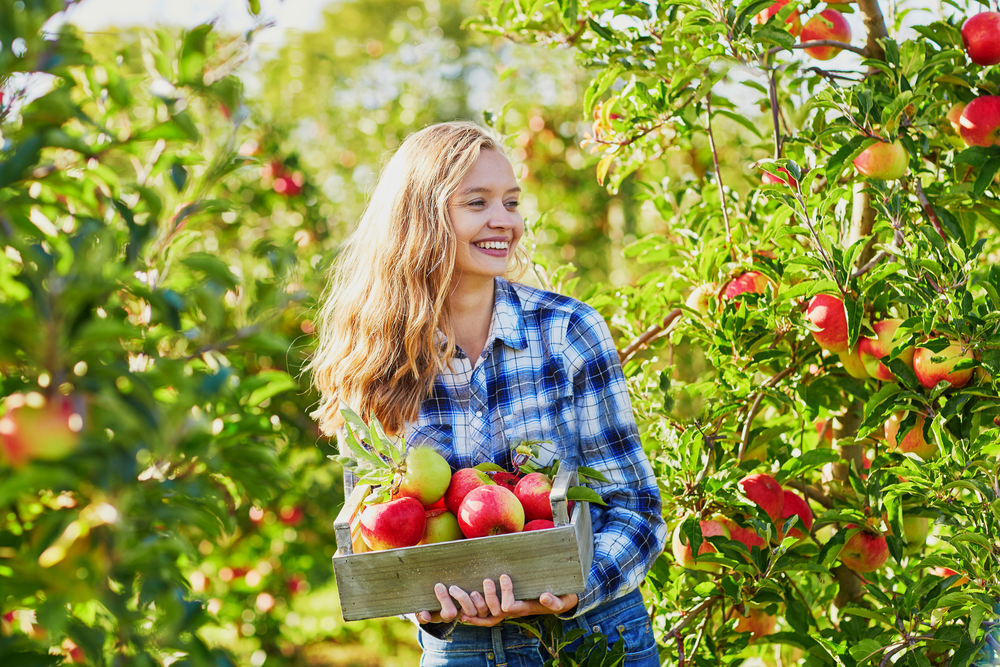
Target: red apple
{"points": [[682, 548], [751, 281], [828, 314], [538, 524], [954, 116], [74, 654], [933, 367], [913, 440], [463, 481], [748, 536], [490, 510], [980, 122], [873, 350], [765, 492], [37, 428], [789, 180], [533, 492], [756, 622], [504, 478], [291, 516], [440, 526], [700, 297], [793, 23], [824, 430], [945, 572], [865, 551], [882, 161], [981, 38], [426, 475], [795, 504], [397, 523], [852, 363], [828, 24]]}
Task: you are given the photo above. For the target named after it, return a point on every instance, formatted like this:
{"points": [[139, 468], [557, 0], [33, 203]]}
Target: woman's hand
{"points": [[489, 609]]}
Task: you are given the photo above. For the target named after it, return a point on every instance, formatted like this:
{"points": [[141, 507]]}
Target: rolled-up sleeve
{"points": [[629, 533]]}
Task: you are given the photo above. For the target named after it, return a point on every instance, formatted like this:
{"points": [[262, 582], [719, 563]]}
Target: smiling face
{"points": [[485, 218]]}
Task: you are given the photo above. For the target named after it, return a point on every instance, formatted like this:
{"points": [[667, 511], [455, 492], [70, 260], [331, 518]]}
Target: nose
{"points": [[501, 218]]}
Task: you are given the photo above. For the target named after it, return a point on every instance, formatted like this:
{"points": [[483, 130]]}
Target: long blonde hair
{"points": [[379, 349]]}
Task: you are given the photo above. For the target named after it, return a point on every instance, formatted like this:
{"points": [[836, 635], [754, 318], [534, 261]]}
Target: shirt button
{"points": [[489, 656], [479, 413], [596, 628]]}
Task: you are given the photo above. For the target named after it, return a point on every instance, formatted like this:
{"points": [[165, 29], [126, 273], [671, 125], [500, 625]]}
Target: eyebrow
{"points": [[485, 190]]}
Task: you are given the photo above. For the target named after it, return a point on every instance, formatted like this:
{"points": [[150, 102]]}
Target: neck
{"points": [[471, 308]]}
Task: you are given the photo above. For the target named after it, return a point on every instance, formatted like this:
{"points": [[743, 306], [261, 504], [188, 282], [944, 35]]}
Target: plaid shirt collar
{"points": [[507, 322]]}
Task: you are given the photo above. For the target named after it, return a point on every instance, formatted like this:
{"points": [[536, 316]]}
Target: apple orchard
{"points": [[811, 333]]}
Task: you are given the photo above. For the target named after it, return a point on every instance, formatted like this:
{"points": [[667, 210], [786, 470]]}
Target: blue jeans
{"points": [[507, 645]]}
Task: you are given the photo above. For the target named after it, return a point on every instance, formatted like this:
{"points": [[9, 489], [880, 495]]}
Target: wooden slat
{"points": [[343, 524], [399, 581], [565, 478]]}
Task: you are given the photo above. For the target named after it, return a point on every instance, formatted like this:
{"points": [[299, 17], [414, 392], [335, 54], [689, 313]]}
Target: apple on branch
{"points": [[954, 117], [981, 38], [873, 350], [828, 316], [765, 492], [793, 23], [883, 161], [681, 548], [980, 121], [700, 298], [751, 281], [771, 179], [945, 572], [934, 367], [795, 505], [35, 427], [913, 441], [829, 24], [756, 621], [853, 364], [865, 551]]}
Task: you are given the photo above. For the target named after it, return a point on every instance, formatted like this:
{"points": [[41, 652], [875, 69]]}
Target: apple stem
{"points": [[718, 176]]}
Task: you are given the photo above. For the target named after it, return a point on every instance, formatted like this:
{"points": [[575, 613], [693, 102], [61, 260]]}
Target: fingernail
{"points": [[439, 588], [546, 600]]}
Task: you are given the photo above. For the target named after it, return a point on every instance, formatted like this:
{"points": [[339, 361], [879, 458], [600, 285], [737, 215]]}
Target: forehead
{"points": [[491, 170]]}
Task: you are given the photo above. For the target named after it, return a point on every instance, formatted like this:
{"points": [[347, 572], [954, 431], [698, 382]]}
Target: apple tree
{"points": [[813, 336]]}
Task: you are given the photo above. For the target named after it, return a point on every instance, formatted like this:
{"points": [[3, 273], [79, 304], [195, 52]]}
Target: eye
{"points": [[512, 204], [478, 202]]}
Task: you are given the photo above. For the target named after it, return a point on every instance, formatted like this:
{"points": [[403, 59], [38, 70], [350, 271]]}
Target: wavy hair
{"points": [[379, 349]]}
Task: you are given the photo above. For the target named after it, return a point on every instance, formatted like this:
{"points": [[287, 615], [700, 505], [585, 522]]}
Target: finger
{"points": [[482, 609], [487, 622], [507, 600], [492, 601], [463, 599], [448, 611]]}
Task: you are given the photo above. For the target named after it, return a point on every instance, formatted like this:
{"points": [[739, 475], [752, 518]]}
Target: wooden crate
{"points": [[400, 581]]}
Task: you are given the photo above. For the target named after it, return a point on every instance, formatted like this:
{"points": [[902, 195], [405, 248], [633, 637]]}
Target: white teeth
{"points": [[493, 245]]}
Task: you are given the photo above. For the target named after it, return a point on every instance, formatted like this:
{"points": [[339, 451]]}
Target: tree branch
{"points": [[825, 42], [648, 335], [875, 24], [745, 438], [691, 615], [926, 205], [718, 173], [772, 85]]}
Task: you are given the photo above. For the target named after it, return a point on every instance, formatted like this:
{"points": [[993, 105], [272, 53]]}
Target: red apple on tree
{"points": [[425, 475], [751, 281], [394, 524], [873, 350], [793, 23], [864, 551], [463, 481], [699, 298], [954, 117], [681, 548], [945, 572], [980, 37], [828, 314], [829, 24], [852, 363], [913, 441], [490, 510], [747, 536], [795, 505], [757, 622], [883, 161], [934, 367], [771, 179], [38, 428], [980, 122], [765, 491]]}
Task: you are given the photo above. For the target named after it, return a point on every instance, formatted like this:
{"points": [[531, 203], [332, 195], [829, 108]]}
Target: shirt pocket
{"points": [[545, 422]]}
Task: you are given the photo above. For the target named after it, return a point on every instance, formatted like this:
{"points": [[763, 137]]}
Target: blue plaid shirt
{"points": [[550, 371]]}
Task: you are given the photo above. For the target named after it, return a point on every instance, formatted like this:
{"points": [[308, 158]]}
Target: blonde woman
{"points": [[421, 329]]}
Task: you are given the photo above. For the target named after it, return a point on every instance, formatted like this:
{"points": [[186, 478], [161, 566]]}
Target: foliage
{"points": [[922, 249]]}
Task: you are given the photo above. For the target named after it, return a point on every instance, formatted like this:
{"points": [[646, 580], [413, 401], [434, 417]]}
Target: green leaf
{"points": [[865, 650], [488, 466], [584, 494], [277, 382], [985, 177], [213, 267], [591, 474]]}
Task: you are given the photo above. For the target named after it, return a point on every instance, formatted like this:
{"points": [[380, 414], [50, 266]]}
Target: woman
{"points": [[421, 330]]}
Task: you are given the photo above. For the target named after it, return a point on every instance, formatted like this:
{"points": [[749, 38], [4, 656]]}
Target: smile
{"points": [[493, 245]]}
